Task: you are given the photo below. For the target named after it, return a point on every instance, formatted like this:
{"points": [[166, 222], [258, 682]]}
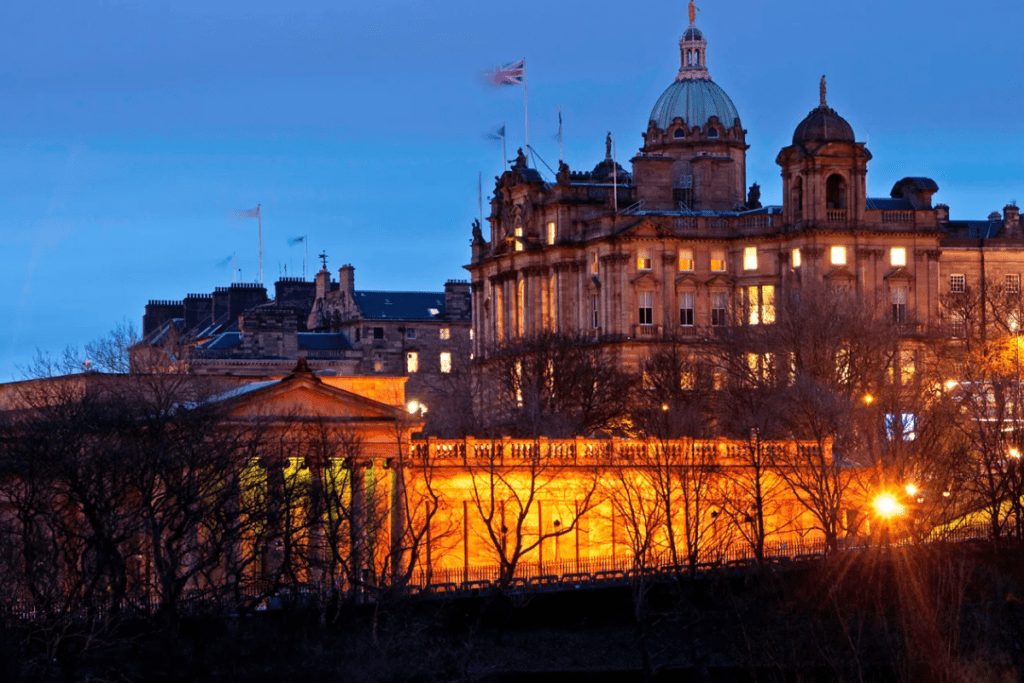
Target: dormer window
{"points": [[712, 132], [679, 133]]}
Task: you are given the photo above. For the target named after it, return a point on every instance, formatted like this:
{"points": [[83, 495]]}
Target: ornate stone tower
{"points": [[824, 171], [694, 153]]}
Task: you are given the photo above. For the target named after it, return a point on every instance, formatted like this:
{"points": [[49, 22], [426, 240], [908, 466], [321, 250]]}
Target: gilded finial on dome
{"points": [[821, 88], [693, 14]]}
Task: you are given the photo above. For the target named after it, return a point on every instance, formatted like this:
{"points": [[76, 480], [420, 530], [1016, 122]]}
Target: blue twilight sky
{"points": [[129, 131]]}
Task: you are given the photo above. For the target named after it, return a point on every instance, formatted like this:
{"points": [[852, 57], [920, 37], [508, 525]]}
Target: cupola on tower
{"points": [[824, 171], [694, 152]]}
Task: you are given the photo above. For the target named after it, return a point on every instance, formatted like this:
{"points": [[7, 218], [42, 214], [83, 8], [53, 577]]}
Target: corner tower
{"points": [[824, 171], [694, 152]]}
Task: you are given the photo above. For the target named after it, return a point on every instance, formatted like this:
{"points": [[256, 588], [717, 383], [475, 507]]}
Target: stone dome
{"points": [[693, 33], [694, 101], [823, 125]]}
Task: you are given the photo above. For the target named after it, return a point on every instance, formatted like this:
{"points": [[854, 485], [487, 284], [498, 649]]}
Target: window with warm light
{"points": [[718, 260], [446, 362], [685, 260], [750, 258], [838, 256], [796, 258], [551, 232], [593, 264], [687, 380], [897, 257], [519, 239], [760, 304], [643, 259], [686, 309], [445, 333], [412, 362], [646, 308]]}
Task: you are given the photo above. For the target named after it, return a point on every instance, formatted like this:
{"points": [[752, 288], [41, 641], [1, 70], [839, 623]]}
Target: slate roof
{"points": [[974, 230], [400, 305], [887, 204], [323, 341]]}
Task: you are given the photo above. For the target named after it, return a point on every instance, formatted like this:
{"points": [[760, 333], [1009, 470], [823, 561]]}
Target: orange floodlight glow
{"points": [[887, 506]]}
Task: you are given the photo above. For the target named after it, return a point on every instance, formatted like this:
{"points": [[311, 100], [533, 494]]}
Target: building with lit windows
{"points": [[674, 248]]}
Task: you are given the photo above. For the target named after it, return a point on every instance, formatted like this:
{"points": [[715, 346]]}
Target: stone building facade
{"points": [[339, 330], [673, 249]]}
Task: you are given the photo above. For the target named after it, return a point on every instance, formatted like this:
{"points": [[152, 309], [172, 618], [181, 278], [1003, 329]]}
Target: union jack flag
{"points": [[509, 74]]}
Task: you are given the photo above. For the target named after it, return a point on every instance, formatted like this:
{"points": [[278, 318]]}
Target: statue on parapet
{"points": [[478, 234], [754, 197]]}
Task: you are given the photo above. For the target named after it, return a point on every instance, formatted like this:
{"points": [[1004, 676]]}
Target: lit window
{"points": [[687, 380], [686, 309], [471, 334], [899, 304], [643, 259], [410, 333], [719, 306], [750, 258], [445, 333], [718, 260], [902, 429], [446, 361], [378, 366], [551, 232], [519, 239], [838, 256], [412, 362], [897, 256], [796, 258], [593, 263], [1013, 284], [646, 308], [957, 284], [686, 259], [761, 304]]}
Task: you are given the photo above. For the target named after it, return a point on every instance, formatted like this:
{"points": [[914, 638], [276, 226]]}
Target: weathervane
{"points": [[693, 13], [323, 258]]}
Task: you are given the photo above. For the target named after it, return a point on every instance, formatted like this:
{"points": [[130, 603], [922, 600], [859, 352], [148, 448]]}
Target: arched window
{"points": [[679, 133], [835, 192], [689, 58], [696, 57], [798, 195], [712, 132]]}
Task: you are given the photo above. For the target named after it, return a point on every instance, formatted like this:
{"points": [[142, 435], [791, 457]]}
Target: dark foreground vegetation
{"points": [[935, 613]]}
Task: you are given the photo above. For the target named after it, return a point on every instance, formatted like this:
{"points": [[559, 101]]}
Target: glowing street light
{"points": [[887, 506], [1014, 453], [868, 399], [911, 490]]}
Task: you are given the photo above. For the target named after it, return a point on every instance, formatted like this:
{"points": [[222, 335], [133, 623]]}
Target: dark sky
{"points": [[130, 131]]}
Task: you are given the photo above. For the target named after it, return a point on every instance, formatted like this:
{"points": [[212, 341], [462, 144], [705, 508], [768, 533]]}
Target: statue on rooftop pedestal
{"points": [[821, 93], [693, 13], [478, 234]]}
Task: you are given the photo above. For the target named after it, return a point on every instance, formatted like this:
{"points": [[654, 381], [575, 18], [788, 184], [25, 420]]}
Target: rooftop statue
{"points": [[693, 13]]}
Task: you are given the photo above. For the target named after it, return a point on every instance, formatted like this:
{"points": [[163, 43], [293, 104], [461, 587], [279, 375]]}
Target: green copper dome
{"points": [[694, 101]]}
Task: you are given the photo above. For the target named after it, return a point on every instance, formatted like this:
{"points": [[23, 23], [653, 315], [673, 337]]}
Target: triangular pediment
{"points": [[646, 228], [719, 280], [646, 277], [900, 274], [687, 279], [307, 397], [840, 273]]}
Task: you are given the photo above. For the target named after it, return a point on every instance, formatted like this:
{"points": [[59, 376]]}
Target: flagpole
{"points": [[305, 243], [504, 154], [480, 194], [561, 151], [526, 108], [615, 180], [259, 223], [234, 269]]}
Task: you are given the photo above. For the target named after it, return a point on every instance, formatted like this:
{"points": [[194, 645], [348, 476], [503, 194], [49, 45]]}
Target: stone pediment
{"points": [[646, 277], [719, 279], [302, 395], [840, 273], [687, 279], [899, 274]]}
